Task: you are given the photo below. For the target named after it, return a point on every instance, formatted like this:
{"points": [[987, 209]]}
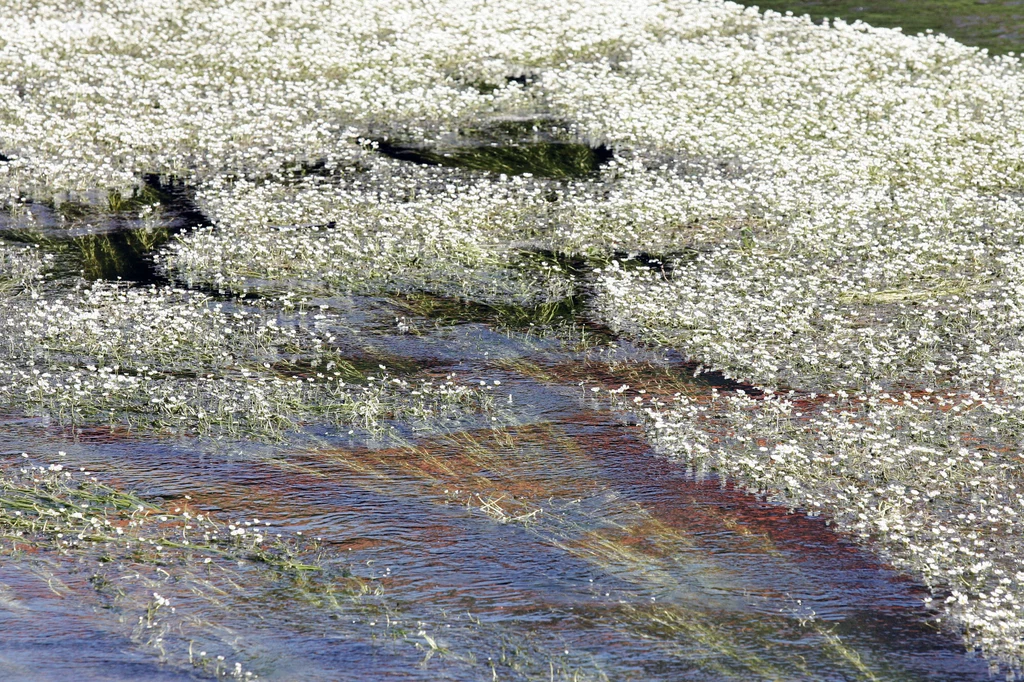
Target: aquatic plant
{"points": [[509, 477], [834, 209], [928, 479], [320, 238], [21, 267], [166, 573], [878, 262], [161, 358], [123, 255]]}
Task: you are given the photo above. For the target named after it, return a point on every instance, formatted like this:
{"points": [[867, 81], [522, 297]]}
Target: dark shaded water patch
{"points": [[120, 256], [524, 80], [112, 240], [177, 198], [451, 311], [314, 168], [552, 159], [662, 263]]}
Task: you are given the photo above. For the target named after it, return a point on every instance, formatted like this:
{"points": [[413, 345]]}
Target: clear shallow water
{"points": [[557, 546]]}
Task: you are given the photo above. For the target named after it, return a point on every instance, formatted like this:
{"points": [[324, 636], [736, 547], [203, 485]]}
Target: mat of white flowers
{"points": [[837, 213]]}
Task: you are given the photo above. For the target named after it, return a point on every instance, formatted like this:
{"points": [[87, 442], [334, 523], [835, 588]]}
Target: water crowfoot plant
{"points": [[21, 267], [161, 358], [906, 472], [831, 209]]}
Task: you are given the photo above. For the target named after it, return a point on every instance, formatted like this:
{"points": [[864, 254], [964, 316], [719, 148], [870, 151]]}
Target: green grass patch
{"points": [[997, 25]]}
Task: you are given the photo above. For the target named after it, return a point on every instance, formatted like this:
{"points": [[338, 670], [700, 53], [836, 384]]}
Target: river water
{"points": [[557, 546]]}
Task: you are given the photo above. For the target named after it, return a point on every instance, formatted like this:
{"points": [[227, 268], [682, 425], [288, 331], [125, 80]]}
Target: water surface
{"points": [[557, 546]]}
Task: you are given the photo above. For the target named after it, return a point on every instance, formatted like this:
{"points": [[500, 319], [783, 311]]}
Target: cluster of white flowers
{"points": [[170, 358], [387, 225], [21, 266], [317, 237], [94, 95], [877, 253]]}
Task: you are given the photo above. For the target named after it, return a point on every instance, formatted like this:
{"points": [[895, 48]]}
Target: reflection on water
{"points": [[556, 547]]}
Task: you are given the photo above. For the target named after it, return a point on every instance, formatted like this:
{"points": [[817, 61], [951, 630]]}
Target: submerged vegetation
{"points": [[174, 575], [107, 237], [106, 256], [924, 477], [169, 359], [541, 159], [158, 570], [827, 215]]}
